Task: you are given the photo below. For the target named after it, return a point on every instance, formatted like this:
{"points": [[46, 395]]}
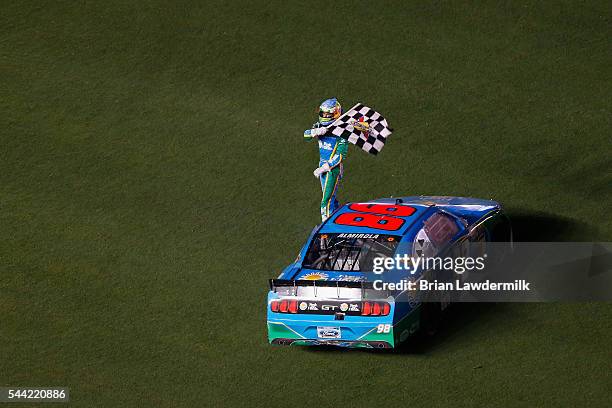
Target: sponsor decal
{"points": [[349, 278], [325, 145], [414, 327], [315, 276], [362, 125]]}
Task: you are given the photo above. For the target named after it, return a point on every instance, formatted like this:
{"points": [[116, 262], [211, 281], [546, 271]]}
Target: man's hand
{"points": [[315, 132], [320, 170]]}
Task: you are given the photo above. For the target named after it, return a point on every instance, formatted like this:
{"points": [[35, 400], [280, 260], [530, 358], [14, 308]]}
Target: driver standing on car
{"points": [[332, 152]]}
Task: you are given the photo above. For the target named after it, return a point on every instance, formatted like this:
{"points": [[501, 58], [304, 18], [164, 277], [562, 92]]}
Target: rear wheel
{"points": [[431, 314]]}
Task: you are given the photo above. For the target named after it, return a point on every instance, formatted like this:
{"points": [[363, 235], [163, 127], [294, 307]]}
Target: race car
{"points": [[332, 295]]}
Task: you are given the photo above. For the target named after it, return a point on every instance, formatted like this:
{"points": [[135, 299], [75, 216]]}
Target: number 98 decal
{"points": [[384, 209], [377, 216], [370, 221], [383, 328]]}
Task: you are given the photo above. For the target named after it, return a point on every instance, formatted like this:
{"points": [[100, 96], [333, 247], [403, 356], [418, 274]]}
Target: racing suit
{"points": [[332, 150]]}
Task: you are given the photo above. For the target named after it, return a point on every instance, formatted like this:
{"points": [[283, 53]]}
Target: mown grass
{"points": [[153, 176]]}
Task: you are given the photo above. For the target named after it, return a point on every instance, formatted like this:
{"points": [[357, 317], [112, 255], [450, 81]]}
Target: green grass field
{"points": [[153, 176]]}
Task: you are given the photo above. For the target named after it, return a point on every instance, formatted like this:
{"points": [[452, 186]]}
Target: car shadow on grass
{"points": [[537, 226], [460, 320]]}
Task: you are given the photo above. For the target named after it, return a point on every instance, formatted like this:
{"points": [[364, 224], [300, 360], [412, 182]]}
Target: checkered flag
{"points": [[363, 127]]}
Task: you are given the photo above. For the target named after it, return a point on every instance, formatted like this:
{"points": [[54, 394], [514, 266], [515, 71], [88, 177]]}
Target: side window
{"points": [[437, 231], [440, 228]]}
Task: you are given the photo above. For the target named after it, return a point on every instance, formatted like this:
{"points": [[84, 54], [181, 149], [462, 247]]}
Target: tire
{"points": [[431, 314]]}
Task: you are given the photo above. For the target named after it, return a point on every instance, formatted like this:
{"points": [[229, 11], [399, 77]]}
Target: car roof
{"points": [[347, 218]]}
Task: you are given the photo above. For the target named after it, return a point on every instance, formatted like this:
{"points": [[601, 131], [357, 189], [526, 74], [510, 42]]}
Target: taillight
{"points": [[375, 309], [365, 310], [386, 309], [284, 306]]}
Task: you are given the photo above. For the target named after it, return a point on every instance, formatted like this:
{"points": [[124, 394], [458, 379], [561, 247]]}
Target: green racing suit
{"points": [[333, 151]]}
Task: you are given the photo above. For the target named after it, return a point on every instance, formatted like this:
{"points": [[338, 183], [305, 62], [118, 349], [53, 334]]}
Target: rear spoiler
{"points": [[274, 283]]}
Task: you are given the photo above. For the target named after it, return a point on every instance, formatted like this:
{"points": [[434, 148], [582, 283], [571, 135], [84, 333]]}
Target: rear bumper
{"points": [[354, 332], [336, 343], [341, 333]]}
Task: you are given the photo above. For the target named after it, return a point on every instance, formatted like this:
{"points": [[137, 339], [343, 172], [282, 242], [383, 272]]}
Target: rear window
{"points": [[349, 252]]}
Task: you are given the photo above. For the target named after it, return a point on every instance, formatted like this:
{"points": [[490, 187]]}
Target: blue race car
{"points": [[329, 294]]}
